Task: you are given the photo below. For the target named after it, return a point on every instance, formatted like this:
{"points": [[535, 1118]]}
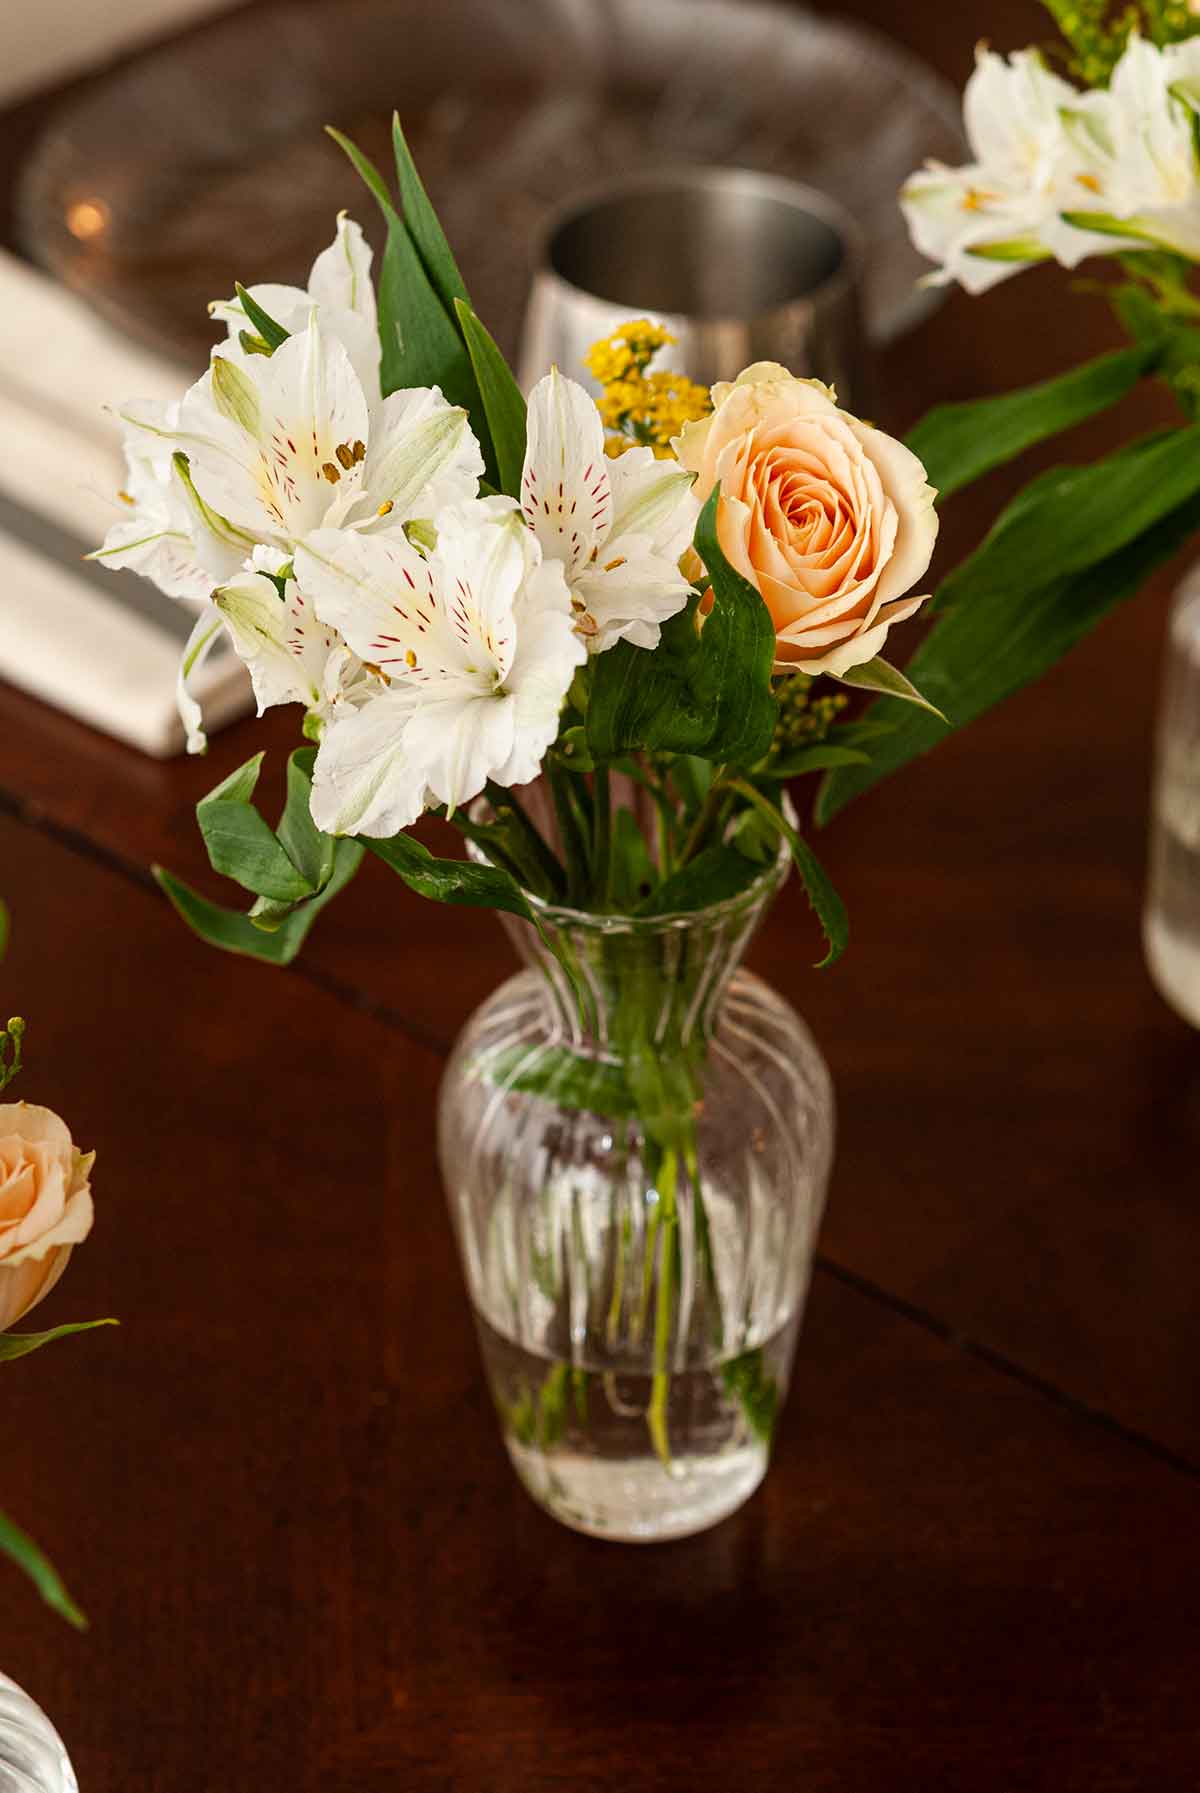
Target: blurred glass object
{"points": [[1172, 917], [740, 267], [207, 159], [32, 1757]]}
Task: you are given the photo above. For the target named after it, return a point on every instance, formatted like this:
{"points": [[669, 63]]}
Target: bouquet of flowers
{"points": [[45, 1211], [588, 634]]}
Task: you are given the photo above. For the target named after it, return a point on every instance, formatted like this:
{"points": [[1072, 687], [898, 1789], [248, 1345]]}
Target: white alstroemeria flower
{"points": [[291, 656], [339, 290], [478, 647], [1003, 211], [166, 533], [1138, 137], [287, 443], [617, 527]]}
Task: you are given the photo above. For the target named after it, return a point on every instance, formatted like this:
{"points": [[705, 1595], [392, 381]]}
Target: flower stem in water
{"points": [[656, 1415]]}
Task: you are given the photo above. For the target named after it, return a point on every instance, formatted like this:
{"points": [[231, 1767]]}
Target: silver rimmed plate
{"points": [[206, 159]]}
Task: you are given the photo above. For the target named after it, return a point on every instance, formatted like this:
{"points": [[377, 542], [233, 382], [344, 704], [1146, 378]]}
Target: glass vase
{"points": [[1171, 927], [635, 1138], [32, 1758]]}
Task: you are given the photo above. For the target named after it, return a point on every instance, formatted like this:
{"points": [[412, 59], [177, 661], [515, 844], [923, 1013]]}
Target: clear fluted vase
{"points": [[32, 1758], [635, 1138], [1171, 925]]}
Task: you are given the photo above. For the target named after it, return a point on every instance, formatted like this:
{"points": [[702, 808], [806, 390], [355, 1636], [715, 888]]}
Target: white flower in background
{"points": [[339, 290], [617, 527], [1137, 137], [1037, 144], [166, 533], [477, 644]]}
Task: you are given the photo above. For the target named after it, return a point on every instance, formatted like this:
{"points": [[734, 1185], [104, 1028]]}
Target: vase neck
{"points": [[611, 980]]}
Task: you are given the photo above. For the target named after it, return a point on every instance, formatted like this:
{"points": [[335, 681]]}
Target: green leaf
{"points": [[236, 933], [958, 443], [424, 226], [241, 845], [878, 675], [821, 757], [1074, 517], [502, 399], [20, 1344], [273, 334], [310, 851], [24, 1552], [713, 876], [365, 169], [706, 693], [562, 1077], [992, 644], [420, 344], [632, 872], [823, 898], [451, 880]]}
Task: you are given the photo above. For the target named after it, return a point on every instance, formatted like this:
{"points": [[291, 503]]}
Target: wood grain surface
{"points": [[278, 1489]]}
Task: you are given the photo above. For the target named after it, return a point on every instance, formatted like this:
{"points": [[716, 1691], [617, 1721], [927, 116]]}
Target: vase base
{"points": [[639, 1502]]}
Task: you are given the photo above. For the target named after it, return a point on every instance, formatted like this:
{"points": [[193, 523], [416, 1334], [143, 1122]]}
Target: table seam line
{"points": [[1007, 1366], [75, 840]]}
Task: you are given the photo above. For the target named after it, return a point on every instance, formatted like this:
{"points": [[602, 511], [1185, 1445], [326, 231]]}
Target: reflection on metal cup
{"points": [[739, 266]]}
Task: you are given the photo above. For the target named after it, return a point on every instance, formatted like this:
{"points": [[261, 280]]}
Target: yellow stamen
{"points": [[331, 473], [386, 508], [345, 455]]}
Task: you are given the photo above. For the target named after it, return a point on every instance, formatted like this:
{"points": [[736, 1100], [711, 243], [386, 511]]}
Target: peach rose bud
{"points": [[830, 519], [45, 1205]]}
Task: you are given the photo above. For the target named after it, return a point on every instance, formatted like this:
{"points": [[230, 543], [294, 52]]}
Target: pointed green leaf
{"points": [[240, 843], [236, 933], [420, 343], [273, 334], [451, 880], [994, 642], [503, 402], [424, 226], [823, 898], [310, 851], [713, 876], [366, 170], [960, 442], [821, 757], [20, 1344], [878, 675], [17, 1545]]}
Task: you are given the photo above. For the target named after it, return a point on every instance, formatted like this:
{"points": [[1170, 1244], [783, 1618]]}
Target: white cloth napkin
{"points": [[42, 42], [103, 646]]}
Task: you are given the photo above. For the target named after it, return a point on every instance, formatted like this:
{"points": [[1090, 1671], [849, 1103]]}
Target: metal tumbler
{"points": [[739, 266]]}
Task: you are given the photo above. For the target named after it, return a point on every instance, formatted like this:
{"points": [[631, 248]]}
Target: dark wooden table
{"points": [[279, 1489]]}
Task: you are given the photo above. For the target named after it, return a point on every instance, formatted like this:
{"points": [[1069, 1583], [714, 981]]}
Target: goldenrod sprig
{"points": [[641, 408]]}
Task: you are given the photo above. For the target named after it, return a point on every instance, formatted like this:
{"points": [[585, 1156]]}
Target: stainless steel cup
{"points": [[740, 266]]}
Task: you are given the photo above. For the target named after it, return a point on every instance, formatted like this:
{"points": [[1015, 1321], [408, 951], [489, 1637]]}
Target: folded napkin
{"points": [[42, 44], [104, 646]]}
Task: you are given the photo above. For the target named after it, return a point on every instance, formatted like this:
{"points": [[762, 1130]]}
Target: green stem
{"points": [[601, 838], [711, 810], [574, 844], [704, 1246], [656, 1415], [503, 802]]}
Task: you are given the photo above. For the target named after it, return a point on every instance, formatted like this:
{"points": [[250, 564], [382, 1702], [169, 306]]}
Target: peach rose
{"points": [[831, 520], [45, 1205]]}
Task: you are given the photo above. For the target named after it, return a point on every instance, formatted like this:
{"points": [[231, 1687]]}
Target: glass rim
{"points": [[563, 915]]}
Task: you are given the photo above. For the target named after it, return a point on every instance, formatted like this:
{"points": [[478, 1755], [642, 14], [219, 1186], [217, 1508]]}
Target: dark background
{"points": [[278, 1489]]}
